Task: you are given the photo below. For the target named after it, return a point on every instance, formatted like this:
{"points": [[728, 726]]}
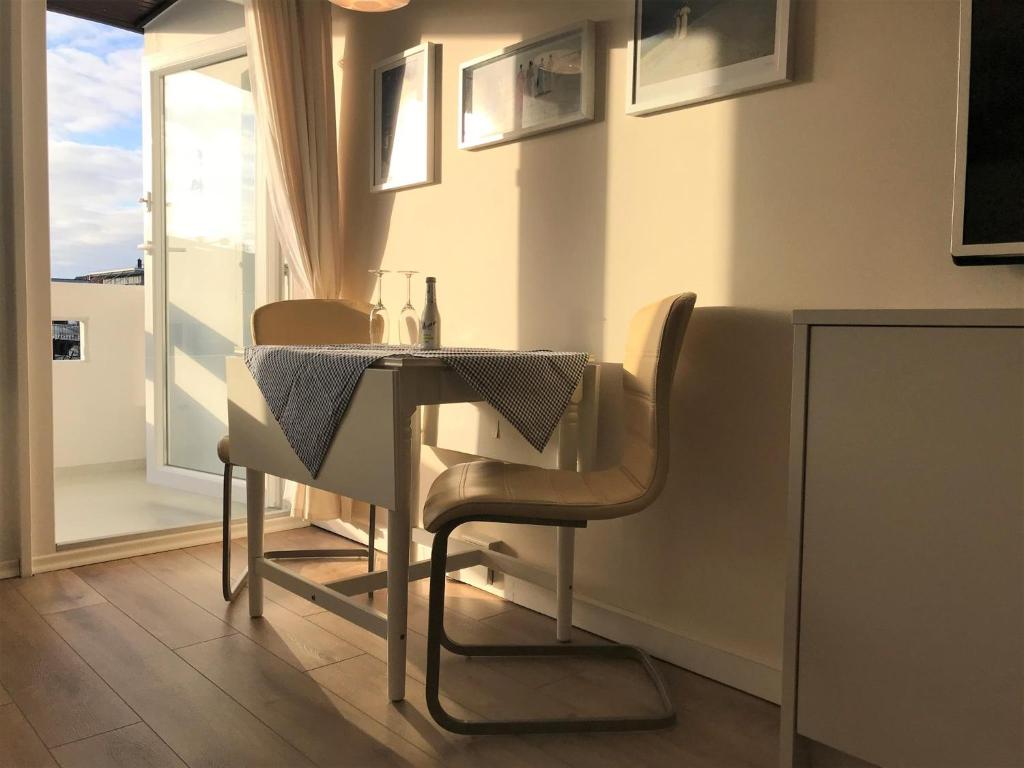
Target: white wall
{"points": [[99, 409], [26, 466], [832, 191], [191, 21]]}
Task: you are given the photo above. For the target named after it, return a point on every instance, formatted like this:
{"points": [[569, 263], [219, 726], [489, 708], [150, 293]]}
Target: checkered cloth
{"points": [[308, 388]]}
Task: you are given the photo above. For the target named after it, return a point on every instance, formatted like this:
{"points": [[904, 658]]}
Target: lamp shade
{"points": [[371, 6]]}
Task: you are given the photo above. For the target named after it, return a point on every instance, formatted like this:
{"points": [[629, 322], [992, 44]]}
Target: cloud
{"points": [[93, 93], [86, 35], [95, 219], [94, 97]]}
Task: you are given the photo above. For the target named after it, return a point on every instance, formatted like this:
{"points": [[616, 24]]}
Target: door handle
{"points": [[147, 247]]}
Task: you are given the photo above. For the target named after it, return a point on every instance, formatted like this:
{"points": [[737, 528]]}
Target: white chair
{"points": [[298, 321], [512, 493]]}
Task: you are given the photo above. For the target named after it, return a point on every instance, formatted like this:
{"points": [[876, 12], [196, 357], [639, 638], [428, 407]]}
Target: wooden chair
{"points": [[492, 491], [298, 321]]}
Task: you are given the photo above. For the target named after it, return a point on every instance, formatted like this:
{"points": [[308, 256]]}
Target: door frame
{"points": [[210, 50]]}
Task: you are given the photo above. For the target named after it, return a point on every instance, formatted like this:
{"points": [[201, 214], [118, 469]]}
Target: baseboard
{"points": [[9, 569], [616, 624], [147, 545]]}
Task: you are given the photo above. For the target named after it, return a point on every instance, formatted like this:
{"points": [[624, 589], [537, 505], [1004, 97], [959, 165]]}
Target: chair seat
{"points": [[224, 449], [493, 488]]}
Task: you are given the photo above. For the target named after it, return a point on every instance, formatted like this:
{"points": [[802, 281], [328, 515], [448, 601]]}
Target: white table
{"points": [[375, 458]]}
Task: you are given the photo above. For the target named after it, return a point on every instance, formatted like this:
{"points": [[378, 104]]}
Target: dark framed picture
{"points": [[403, 119], [540, 84], [690, 51], [988, 177]]}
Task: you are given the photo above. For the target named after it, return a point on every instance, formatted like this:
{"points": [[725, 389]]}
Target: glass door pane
{"points": [[209, 247]]}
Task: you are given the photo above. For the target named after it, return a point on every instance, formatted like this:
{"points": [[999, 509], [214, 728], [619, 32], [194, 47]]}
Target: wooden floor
{"points": [[141, 663]]}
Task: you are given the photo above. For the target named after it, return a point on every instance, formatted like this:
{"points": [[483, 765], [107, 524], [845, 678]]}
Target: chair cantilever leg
{"points": [[229, 590], [437, 637]]}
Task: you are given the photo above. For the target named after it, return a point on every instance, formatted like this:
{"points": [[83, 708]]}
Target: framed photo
{"points": [[403, 119], [688, 51], [538, 85]]}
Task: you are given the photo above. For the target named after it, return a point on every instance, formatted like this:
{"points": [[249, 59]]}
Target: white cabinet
{"points": [[905, 610]]}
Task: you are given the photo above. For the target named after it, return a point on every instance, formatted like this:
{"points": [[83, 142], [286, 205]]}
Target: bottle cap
{"points": [[431, 279]]}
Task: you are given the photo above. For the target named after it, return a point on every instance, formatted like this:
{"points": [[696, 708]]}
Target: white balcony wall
{"points": [[99, 408]]}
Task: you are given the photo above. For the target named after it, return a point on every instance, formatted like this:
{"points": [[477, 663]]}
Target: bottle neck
{"points": [[431, 295]]}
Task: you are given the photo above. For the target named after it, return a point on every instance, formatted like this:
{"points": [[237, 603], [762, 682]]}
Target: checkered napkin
{"points": [[308, 388]]}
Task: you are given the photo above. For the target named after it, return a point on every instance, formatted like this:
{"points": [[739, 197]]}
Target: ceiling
{"points": [[132, 15]]}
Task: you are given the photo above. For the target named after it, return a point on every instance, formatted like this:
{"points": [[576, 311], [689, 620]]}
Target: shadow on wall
{"points": [[366, 212], [721, 517], [727, 489], [603, 228], [563, 198]]}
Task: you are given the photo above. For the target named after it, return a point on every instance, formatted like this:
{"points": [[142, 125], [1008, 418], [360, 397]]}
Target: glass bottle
{"points": [[430, 322]]}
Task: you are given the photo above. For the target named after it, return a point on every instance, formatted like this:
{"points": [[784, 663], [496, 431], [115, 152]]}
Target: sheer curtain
{"points": [[289, 48]]}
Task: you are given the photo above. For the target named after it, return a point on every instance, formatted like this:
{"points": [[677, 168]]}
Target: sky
{"points": [[95, 120]]}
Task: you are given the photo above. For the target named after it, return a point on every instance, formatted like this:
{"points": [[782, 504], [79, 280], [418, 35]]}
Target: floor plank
{"points": [[58, 591], [212, 555], [244, 698], [21, 746], [57, 692], [200, 722], [363, 681], [722, 723], [301, 643], [174, 620], [530, 672], [324, 727], [469, 601], [130, 747]]}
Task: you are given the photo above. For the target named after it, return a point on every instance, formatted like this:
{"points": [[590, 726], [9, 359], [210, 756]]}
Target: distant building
{"points": [[127, 276]]}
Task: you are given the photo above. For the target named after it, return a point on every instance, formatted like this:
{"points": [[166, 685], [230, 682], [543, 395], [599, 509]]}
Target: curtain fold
{"points": [[289, 47], [290, 53]]}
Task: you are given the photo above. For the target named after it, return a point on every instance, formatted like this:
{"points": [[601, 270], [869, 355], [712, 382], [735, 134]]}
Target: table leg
{"points": [[568, 458], [398, 600], [563, 584], [407, 460], [254, 508]]}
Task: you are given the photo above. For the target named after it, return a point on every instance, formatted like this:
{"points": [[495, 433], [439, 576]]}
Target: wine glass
{"points": [[408, 320], [379, 313]]}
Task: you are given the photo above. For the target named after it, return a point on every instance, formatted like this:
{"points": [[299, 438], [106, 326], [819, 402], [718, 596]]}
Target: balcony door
{"points": [[208, 274]]}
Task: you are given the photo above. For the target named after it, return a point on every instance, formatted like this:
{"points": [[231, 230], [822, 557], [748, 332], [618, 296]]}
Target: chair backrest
{"points": [[652, 352], [312, 321]]}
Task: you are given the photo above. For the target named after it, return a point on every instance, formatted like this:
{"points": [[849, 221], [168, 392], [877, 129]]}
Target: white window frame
{"points": [[211, 50]]}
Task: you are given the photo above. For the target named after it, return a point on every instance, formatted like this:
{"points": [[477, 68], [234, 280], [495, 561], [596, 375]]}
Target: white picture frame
{"points": [[404, 114], [520, 99], [709, 84]]}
